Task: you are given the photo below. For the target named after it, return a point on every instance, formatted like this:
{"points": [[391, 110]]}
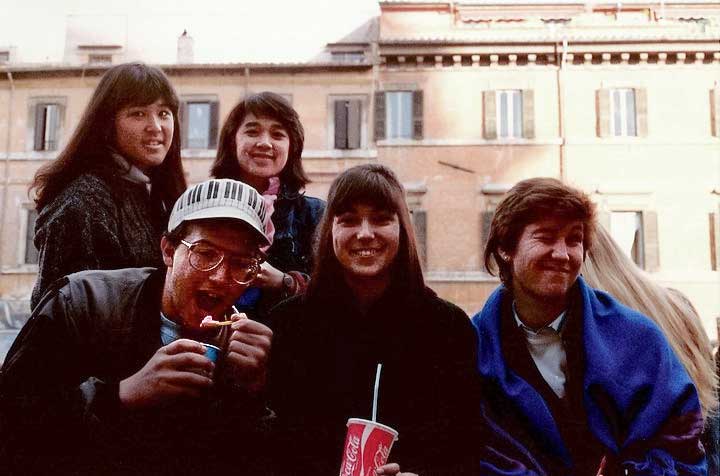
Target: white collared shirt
{"points": [[547, 351]]}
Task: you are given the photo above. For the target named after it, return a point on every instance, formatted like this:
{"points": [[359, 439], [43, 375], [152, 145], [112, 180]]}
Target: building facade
{"points": [[462, 100]]}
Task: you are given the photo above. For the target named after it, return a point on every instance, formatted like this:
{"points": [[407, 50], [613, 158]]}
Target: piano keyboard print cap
{"points": [[221, 198]]}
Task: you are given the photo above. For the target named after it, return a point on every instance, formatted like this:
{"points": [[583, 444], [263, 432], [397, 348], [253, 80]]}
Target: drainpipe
{"points": [[561, 105], [6, 168]]}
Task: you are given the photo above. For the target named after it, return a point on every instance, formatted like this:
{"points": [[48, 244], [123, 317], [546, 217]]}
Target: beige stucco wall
{"points": [[674, 170]]}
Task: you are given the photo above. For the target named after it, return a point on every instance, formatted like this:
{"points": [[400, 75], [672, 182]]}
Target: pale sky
{"points": [[223, 30]]}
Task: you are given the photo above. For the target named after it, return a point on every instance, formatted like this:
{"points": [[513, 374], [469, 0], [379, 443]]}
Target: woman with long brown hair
{"points": [[104, 202], [608, 268]]}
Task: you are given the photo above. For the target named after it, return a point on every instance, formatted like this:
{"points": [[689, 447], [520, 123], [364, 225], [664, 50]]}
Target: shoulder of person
{"points": [[283, 314], [84, 194], [104, 290]]}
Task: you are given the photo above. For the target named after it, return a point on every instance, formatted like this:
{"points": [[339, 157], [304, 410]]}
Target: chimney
{"points": [[185, 48]]}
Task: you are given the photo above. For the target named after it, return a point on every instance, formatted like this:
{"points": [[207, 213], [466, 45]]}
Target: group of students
{"points": [[110, 374]]}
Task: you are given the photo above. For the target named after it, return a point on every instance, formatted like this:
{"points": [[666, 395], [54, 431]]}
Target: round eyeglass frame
{"points": [[254, 269]]}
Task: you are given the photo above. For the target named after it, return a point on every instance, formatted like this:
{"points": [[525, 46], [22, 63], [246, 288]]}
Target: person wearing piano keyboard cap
{"points": [[109, 376]]}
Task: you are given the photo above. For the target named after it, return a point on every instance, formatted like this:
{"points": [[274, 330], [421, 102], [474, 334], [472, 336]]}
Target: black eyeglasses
{"points": [[203, 257]]}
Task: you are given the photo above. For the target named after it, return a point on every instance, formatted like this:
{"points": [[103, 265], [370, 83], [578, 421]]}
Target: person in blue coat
{"points": [[594, 384]]}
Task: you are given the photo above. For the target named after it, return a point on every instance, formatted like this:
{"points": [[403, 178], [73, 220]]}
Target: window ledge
{"points": [[465, 142], [199, 153], [340, 154], [20, 269], [460, 276]]}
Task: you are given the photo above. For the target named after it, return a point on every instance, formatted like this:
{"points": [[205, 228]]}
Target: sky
{"points": [[223, 30]]}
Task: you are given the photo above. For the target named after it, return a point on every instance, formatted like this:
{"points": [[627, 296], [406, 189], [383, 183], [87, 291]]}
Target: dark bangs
{"points": [[364, 186], [140, 85]]}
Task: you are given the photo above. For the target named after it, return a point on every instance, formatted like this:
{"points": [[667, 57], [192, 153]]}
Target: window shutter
{"points": [[650, 235], [485, 224], [380, 118], [341, 125], [419, 218], [713, 242], [354, 117], [39, 127], [490, 119], [528, 113], [417, 115], [184, 124], [602, 99], [214, 123], [714, 110], [52, 126], [641, 112]]}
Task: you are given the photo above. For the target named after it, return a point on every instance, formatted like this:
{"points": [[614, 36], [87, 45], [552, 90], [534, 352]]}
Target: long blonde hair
{"points": [[608, 268]]}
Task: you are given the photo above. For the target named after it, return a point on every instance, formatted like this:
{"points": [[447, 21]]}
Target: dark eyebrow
{"points": [[252, 124]]}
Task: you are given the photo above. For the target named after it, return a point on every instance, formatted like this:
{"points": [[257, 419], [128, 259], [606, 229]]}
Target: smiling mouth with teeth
{"points": [[364, 253]]}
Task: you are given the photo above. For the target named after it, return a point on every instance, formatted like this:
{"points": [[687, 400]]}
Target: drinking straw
{"points": [[375, 391], [235, 309]]}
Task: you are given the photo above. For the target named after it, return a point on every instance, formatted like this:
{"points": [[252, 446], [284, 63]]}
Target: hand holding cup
{"points": [[177, 370]]}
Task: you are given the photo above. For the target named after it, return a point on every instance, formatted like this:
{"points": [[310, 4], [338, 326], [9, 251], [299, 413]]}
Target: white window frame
{"points": [[208, 103], [58, 101], [513, 125], [392, 125], [622, 127]]}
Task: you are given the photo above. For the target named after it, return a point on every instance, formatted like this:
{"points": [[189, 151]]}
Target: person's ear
{"points": [[168, 251]]}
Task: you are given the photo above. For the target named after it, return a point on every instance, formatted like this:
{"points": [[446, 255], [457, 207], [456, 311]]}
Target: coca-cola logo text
{"points": [[351, 455]]}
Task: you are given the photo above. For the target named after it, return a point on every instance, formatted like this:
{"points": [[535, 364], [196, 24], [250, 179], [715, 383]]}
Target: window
{"points": [[626, 228], [509, 114], [637, 234], [621, 112], [398, 115], [348, 117], [199, 124], [99, 59], [47, 126], [29, 254], [348, 56], [4, 56]]}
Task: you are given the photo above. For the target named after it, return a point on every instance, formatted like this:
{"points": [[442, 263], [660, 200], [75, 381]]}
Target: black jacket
{"points": [[59, 405], [323, 364], [97, 223]]}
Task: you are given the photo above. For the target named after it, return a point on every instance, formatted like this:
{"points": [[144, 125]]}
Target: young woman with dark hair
{"points": [[104, 202], [366, 304], [261, 144]]}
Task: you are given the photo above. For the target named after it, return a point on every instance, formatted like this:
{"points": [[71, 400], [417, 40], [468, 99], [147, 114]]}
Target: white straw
{"points": [[236, 310], [375, 391]]}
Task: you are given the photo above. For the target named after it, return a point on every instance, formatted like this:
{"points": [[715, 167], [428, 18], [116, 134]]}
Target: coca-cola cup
{"points": [[367, 447]]}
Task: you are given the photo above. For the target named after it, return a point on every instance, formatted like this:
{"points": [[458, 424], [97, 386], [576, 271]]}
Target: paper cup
{"points": [[212, 352], [367, 447]]}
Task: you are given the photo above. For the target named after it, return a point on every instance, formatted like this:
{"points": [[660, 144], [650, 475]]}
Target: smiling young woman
{"points": [[261, 145], [367, 303], [104, 202]]}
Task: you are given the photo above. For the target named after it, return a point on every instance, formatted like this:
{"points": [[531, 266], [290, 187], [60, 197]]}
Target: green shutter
{"points": [[417, 115]]}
